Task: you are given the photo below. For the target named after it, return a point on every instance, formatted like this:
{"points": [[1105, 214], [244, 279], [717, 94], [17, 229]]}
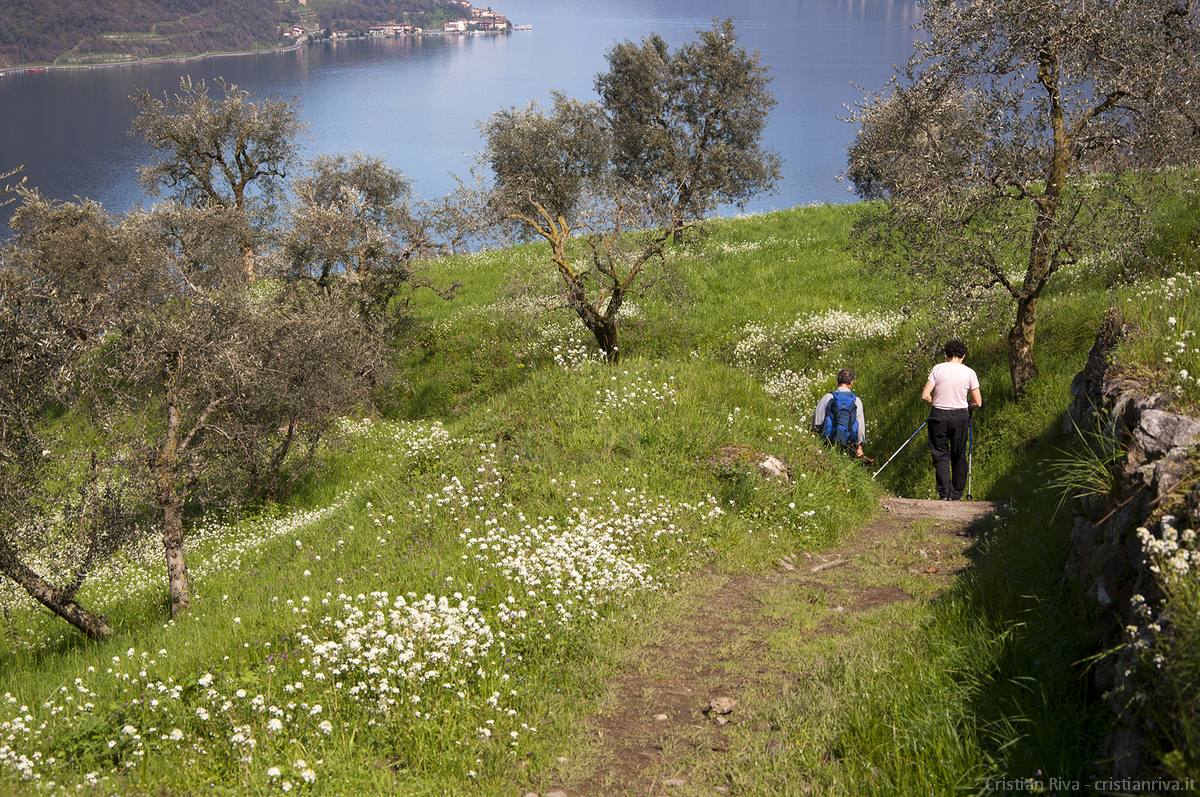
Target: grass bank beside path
{"points": [[442, 607]]}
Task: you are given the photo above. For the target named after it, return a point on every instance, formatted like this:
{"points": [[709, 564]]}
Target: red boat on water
{"points": [[36, 70]]}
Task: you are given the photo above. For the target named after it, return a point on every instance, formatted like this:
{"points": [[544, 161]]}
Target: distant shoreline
{"points": [[38, 69]]}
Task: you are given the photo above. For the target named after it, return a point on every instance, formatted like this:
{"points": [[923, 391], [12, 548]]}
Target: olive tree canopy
{"points": [[546, 164], [607, 184], [687, 125], [218, 150], [354, 232], [1024, 136], [553, 177]]}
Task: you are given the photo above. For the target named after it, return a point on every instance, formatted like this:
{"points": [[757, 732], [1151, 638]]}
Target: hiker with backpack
{"points": [[839, 417], [952, 390]]}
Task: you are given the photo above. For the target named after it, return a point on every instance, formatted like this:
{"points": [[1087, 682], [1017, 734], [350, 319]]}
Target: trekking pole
{"points": [[901, 448], [970, 450]]}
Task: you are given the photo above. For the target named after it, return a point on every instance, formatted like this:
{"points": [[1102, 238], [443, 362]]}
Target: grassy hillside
{"points": [[67, 31], [440, 604]]}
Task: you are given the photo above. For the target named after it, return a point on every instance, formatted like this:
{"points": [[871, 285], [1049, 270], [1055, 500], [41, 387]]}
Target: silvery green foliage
{"points": [[547, 162], [214, 385], [687, 125], [674, 136], [220, 150], [9, 185], [1023, 136], [216, 148], [353, 232]]}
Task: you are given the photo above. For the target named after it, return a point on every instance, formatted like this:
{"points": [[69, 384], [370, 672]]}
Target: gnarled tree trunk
{"points": [[605, 331], [1042, 263], [602, 325], [177, 573], [170, 504], [53, 598], [1021, 366], [248, 263], [1021, 338]]}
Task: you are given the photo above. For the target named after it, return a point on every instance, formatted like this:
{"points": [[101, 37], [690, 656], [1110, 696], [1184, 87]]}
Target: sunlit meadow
{"points": [[435, 609]]}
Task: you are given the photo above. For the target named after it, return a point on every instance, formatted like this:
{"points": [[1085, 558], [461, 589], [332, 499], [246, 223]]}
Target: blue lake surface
{"points": [[415, 101]]}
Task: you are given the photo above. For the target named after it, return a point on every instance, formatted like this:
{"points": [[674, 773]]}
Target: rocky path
{"points": [[672, 715]]}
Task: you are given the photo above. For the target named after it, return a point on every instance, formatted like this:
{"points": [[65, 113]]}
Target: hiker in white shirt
{"points": [[953, 391]]}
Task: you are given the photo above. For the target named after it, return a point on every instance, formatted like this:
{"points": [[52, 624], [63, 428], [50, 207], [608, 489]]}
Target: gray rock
{"points": [[774, 468], [721, 705], [674, 782], [1158, 432], [1105, 555], [767, 465]]}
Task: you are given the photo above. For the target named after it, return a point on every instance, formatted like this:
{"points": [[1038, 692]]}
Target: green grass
{"points": [[983, 681]]}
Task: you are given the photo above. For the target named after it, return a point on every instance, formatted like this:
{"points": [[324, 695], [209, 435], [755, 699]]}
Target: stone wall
{"points": [[1155, 479]]}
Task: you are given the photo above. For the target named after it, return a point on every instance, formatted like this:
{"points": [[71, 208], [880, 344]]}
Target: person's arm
{"points": [[927, 393], [819, 414], [976, 397], [862, 427]]}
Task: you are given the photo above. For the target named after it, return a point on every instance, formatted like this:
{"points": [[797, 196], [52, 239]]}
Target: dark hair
{"points": [[846, 376], [955, 348]]}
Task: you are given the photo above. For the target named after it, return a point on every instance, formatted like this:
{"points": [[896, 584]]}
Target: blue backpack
{"points": [[841, 419]]}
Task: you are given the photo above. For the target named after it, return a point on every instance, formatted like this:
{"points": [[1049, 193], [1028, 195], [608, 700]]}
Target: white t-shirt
{"points": [[952, 382]]}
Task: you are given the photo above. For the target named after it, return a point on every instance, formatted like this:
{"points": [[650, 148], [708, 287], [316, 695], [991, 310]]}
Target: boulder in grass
{"points": [[720, 706], [767, 465]]}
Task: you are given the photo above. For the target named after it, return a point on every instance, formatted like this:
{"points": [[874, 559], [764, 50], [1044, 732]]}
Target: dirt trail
{"points": [[665, 715]]}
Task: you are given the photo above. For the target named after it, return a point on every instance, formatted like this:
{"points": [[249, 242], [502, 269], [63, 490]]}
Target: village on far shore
{"points": [[473, 20]]}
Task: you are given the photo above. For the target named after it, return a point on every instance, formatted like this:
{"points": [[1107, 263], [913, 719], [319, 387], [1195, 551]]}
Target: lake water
{"points": [[415, 102]]}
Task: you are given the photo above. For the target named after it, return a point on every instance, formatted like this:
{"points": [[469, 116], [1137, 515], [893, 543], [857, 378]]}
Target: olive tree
{"points": [[553, 177], [9, 187], [607, 184], [354, 232], [1024, 137], [314, 362], [221, 150], [177, 363], [687, 125], [215, 379], [146, 329], [60, 515]]}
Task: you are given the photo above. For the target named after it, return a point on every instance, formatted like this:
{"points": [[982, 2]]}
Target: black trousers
{"points": [[948, 444]]}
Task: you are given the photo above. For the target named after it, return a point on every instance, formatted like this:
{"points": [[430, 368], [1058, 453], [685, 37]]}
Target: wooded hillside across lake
{"points": [[82, 32]]}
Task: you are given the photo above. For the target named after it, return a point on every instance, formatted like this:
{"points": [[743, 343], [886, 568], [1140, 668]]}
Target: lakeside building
{"points": [[393, 30], [490, 20]]}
